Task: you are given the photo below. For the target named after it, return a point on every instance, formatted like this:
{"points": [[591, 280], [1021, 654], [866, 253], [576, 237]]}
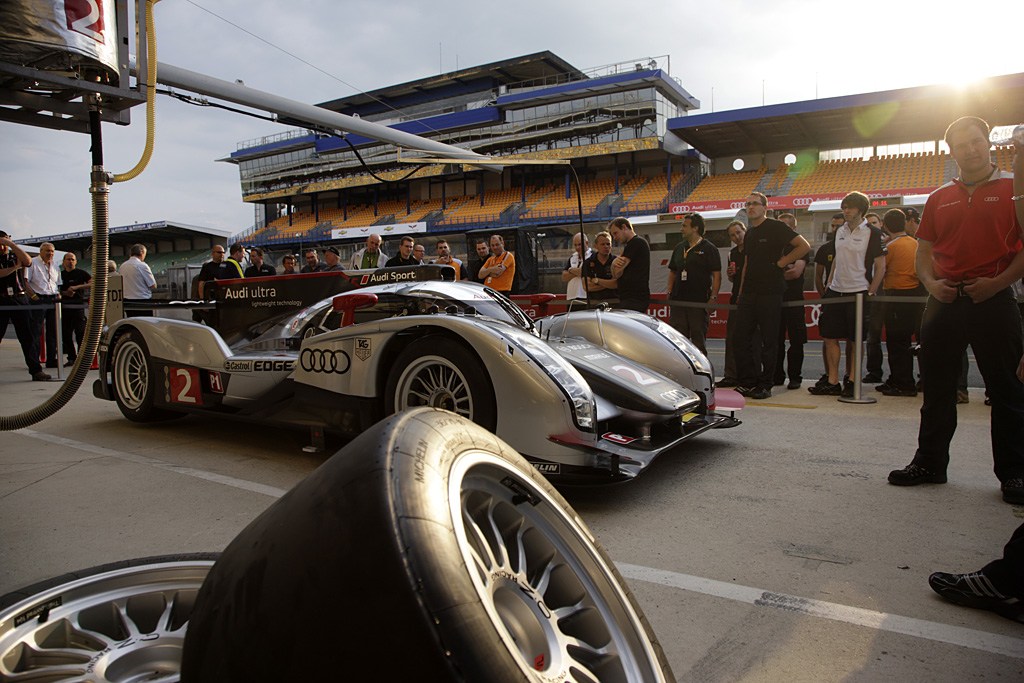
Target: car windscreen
{"points": [[484, 301]]}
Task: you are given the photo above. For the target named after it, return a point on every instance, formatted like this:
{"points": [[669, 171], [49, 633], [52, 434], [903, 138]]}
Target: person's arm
{"points": [[800, 248], [941, 289], [716, 284], [672, 277], [619, 265], [819, 279], [568, 273], [795, 271], [23, 259], [1018, 181], [876, 280]]}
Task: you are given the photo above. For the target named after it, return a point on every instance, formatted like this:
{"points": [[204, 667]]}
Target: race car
{"points": [[580, 412]]}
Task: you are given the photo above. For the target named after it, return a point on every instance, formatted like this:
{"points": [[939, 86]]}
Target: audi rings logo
{"points": [[326, 361], [802, 201]]}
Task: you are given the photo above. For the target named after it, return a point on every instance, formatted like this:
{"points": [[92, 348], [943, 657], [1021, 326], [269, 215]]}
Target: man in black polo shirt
{"points": [[74, 283], [632, 269], [258, 267], [792, 322], [694, 274], [12, 293], [597, 271], [761, 295], [404, 256]]}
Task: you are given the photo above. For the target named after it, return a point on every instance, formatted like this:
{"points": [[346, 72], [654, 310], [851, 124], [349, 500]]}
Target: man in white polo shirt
{"points": [[42, 279], [859, 266], [139, 282]]}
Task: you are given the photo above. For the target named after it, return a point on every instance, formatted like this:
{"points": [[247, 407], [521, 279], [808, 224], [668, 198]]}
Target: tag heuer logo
{"points": [[363, 348]]}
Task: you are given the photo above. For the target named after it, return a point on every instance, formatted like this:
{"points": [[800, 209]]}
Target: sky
{"points": [[729, 54]]}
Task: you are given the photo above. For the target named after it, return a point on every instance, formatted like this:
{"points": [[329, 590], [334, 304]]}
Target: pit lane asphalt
{"points": [[773, 551]]}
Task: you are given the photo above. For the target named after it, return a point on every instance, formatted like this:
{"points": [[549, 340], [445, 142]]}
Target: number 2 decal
{"points": [[185, 386], [639, 377]]}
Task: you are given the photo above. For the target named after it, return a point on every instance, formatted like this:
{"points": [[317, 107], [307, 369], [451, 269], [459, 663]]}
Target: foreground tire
{"points": [[124, 621], [426, 550], [439, 372], [133, 379]]}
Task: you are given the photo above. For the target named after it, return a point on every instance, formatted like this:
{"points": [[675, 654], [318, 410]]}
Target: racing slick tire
{"points": [[123, 621], [134, 385], [440, 372], [425, 550]]}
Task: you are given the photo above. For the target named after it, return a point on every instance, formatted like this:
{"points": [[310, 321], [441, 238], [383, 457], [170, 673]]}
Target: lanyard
{"points": [[686, 252]]}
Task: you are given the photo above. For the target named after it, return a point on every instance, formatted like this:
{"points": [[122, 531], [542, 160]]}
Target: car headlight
{"points": [[699, 360], [568, 379]]}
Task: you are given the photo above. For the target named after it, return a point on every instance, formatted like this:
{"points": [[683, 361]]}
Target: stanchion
{"points": [[858, 355]]}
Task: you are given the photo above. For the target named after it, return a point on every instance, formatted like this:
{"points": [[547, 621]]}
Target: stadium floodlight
{"points": [[183, 79]]}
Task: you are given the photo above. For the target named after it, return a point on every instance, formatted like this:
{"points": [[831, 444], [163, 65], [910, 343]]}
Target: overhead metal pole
{"points": [[201, 84]]}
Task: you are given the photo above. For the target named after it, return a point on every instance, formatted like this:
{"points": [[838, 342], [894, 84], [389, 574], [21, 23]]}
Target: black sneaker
{"points": [[794, 384], [912, 475], [883, 386], [760, 393], [847, 391], [726, 383], [1013, 491], [745, 391], [890, 390], [872, 378], [826, 389], [41, 377], [976, 590]]}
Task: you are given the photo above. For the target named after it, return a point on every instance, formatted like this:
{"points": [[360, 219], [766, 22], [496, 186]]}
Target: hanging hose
{"points": [[147, 153], [98, 188]]}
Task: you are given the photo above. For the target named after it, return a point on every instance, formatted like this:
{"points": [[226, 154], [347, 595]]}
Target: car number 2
{"points": [[185, 386], [637, 376]]}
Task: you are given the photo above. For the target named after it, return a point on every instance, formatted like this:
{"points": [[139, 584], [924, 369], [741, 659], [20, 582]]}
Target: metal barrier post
{"points": [[858, 355], [59, 334]]}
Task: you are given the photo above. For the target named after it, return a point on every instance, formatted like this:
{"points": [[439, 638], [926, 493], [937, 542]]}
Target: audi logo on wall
{"points": [[325, 361], [802, 201]]}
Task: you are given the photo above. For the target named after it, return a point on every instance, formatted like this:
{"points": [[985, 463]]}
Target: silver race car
{"points": [[401, 338]]}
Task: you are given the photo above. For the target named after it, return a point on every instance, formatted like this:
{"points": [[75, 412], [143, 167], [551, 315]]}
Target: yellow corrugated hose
{"points": [[147, 153]]}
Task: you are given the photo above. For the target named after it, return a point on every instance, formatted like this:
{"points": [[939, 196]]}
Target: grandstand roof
{"points": [[146, 233], [881, 118], [538, 65]]}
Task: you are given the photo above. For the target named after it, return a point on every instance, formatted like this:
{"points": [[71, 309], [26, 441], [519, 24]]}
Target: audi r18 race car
{"points": [[579, 411]]}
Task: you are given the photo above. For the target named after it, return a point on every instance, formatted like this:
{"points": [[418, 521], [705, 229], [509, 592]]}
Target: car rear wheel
{"points": [[429, 550], [134, 383], [124, 621], [439, 372]]}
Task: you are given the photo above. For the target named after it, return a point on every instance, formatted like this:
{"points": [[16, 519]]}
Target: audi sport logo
{"points": [[325, 361]]}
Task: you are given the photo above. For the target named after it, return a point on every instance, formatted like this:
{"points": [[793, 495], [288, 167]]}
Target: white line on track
{"points": [[943, 633], [159, 464]]}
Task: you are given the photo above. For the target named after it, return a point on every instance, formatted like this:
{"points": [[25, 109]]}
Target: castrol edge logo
{"points": [[85, 17]]}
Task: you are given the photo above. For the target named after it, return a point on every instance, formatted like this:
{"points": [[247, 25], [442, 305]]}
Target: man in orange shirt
{"points": [[900, 317], [500, 269]]}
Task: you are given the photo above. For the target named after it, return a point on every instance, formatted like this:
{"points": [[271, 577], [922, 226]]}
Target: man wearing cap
{"points": [[259, 268], [913, 220], [969, 254], [12, 293], [370, 256], [332, 260], [42, 280]]}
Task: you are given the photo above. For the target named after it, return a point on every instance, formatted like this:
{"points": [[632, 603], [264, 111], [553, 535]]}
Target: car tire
{"points": [[440, 372], [117, 622], [425, 550], [134, 385]]}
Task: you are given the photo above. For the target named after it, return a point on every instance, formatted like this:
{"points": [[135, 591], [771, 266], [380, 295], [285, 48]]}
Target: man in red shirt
{"points": [[969, 253]]}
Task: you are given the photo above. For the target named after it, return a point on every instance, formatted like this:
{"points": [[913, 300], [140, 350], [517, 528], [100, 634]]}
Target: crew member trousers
{"points": [[993, 330], [757, 318]]}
